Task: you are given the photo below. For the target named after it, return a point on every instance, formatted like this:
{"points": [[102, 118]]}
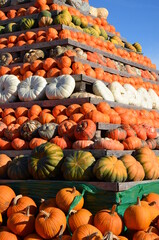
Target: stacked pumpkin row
{"points": [[38, 7], [84, 38], [24, 218], [77, 127], [47, 161]]}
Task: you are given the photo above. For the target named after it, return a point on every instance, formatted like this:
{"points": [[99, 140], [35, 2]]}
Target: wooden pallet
{"points": [[97, 153], [106, 186]]}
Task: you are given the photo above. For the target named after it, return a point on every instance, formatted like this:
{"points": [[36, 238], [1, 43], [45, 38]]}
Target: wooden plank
{"points": [[127, 185], [104, 126], [16, 6], [97, 153], [45, 103], [41, 45]]}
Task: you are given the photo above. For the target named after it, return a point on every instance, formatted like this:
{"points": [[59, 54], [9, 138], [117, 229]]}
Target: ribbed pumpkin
{"points": [[3, 126], [6, 196], [117, 134], [85, 130], [12, 131], [97, 116], [45, 160], [132, 143], [66, 128], [21, 223], [48, 130], [108, 220], [50, 217], [78, 218], [29, 129], [62, 142], [65, 197], [18, 168], [149, 161], [78, 166], [82, 144], [146, 235], [20, 203], [110, 169], [4, 162], [137, 217], [87, 231], [107, 143], [134, 168]]}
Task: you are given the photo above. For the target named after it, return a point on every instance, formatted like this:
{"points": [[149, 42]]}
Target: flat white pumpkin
{"points": [[134, 97], [8, 88], [119, 93], [100, 89], [32, 88], [154, 98], [60, 87], [146, 99]]}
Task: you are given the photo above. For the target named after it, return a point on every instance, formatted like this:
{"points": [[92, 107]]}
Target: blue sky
{"points": [[137, 21]]}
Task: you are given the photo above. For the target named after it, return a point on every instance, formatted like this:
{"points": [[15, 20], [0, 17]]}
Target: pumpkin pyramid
{"points": [[69, 78]]}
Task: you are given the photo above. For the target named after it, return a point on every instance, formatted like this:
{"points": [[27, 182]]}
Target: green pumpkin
{"points": [[138, 47], [45, 161], [76, 20], [63, 18], [11, 27], [44, 13], [18, 168], [94, 32], [103, 33], [45, 21], [2, 29], [130, 46], [110, 169], [27, 23], [84, 23], [78, 167]]}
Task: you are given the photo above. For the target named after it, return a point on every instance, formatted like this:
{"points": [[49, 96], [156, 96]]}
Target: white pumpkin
{"points": [[93, 11], [134, 97], [8, 88], [154, 98], [32, 88], [102, 13], [146, 99], [60, 87], [119, 93], [100, 89]]}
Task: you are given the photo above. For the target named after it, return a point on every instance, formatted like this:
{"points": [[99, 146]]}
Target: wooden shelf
{"points": [[16, 6]]}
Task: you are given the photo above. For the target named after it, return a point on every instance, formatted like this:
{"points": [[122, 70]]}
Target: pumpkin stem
{"points": [[92, 236], [113, 209], [149, 229], [28, 211], [47, 215], [138, 201], [61, 232], [152, 203], [110, 236], [72, 211], [73, 190], [15, 200], [42, 200]]}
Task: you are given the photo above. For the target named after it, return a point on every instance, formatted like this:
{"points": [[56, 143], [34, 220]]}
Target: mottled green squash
{"points": [[27, 23], [110, 169], [63, 18], [76, 20], [18, 168], [78, 167], [11, 27], [45, 161]]}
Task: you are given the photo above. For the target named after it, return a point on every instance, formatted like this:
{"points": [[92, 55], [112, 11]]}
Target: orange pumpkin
{"points": [[35, 142], [19, 144]]}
